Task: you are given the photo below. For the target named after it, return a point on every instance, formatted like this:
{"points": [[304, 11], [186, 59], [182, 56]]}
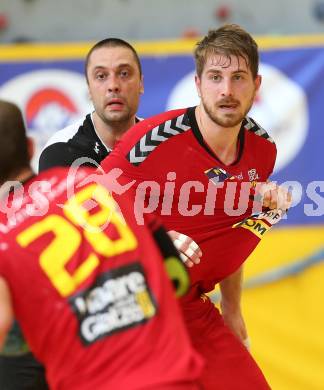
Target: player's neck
{"points": [[223, 141], [23, 175], [110, 134]]}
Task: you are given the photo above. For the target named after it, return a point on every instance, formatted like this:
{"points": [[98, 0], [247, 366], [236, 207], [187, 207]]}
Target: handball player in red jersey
{"points": [[204, 170], [87, 285]]}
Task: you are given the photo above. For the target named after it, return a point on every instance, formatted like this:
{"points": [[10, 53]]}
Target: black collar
{"points": [[196, 132]]}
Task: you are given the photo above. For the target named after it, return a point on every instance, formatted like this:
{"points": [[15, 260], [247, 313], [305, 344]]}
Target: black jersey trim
{"points": [[75, 141], [86, 138], [251, 125], [200, 139]]}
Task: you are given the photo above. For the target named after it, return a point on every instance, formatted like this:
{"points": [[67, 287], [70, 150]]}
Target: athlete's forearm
{"points": [[231, 288], [6, 311]]}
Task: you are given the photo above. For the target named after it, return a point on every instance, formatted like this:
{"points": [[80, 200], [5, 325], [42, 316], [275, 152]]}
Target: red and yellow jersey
{"points": [[181, 179], [89, 287]]}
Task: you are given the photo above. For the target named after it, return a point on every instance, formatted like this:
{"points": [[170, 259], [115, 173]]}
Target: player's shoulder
{"points": [[155, 130], [67, 132], [162, 117], [259, 143], [74, 141], [57, 154], [56, 186], [257, 132]]}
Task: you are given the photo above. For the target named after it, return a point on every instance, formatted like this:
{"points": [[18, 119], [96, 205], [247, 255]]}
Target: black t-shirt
{"points": [[78, 140]]}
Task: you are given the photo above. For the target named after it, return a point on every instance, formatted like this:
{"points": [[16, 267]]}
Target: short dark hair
{"points": [[14, 154], [228, 40], [112, 42]]}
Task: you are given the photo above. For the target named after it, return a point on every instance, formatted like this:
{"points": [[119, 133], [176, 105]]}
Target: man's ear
{"points": [[257, 82], [197, 82], [89, 95], [142, 85], [30, 147]]}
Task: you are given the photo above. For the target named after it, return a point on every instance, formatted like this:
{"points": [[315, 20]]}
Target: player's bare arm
{"points": [[231, 289], [6, 311]]}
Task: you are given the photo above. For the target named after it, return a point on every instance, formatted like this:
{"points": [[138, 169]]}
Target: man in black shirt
{"points": [[114, 75]]}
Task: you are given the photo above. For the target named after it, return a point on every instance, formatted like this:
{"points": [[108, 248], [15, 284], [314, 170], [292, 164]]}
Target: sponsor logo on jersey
{"points": [[97, 147], [119, 299], [218, 175], [260, 223], [253, 175], [255, 225]]}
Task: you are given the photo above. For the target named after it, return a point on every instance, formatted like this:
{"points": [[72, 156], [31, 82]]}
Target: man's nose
{"points": [[113, 84], [227, 88]]}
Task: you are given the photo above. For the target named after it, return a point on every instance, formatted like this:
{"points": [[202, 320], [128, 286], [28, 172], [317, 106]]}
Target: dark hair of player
{"points": [[228, 40], [14, 154], [112, 42]]}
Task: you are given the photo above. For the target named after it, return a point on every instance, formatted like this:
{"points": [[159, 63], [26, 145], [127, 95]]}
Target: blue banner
{"points": [[53, 93]]}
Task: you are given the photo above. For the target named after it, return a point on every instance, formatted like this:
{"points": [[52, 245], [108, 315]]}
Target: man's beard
{"points": [[224, 120]]}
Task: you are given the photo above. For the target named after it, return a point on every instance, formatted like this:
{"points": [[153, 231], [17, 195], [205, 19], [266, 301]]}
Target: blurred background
{"points": [[79, 20], [42, 49]]}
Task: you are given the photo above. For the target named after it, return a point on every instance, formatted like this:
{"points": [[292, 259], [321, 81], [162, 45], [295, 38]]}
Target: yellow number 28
{"points": [[67, 237]]}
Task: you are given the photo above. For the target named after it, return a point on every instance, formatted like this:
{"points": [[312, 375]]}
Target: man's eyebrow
{"points": [[121, 65], [125, 65], [98, 67], [214, 71], [241, 71], [220, 71]]}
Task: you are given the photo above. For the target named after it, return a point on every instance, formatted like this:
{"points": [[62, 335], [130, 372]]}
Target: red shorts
{"points": [[228, 364]]}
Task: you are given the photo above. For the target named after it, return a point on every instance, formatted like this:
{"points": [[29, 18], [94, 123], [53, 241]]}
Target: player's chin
{"points": [[230, 119], [117, 116]]}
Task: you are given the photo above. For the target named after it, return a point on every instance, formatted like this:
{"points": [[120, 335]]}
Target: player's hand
{"points": [[275, 197], [190, 253], [234, 320]]}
